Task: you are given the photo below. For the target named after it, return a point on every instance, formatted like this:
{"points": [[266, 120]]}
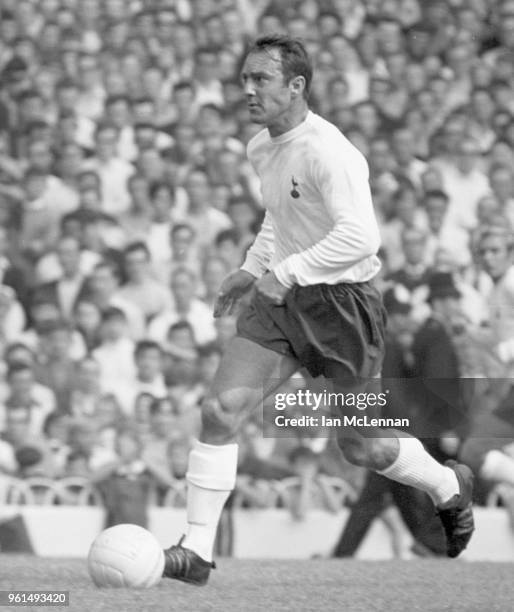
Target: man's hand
{"points": [[270, 287], [231, 291]]}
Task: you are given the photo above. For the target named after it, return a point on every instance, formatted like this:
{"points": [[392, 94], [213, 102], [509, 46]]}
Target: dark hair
{"points": [[182, 226], [28, 94], [330, 14], [107, 264], [294, 57], [144, 125], [56, 326], [179, 325], [143, 100], [16, 367], [146, 345], [224, 235], [15, 346], [136, 246], [66, 83], [115, 98], [303, 452], [212, 107], [156, 187], [112, 314], [437, 193], [184, 84]]}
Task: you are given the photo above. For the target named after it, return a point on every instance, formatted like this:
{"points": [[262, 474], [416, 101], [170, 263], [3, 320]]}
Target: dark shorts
{"points": [[332, 330]]}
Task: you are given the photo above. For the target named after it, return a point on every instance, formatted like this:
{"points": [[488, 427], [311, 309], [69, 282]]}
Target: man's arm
{"points": [[346, 197], [260, 253]]}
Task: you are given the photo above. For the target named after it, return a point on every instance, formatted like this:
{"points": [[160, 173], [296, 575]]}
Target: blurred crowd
{"points": [[126, 197]]}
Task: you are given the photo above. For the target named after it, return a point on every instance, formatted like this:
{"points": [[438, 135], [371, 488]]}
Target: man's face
{"points": [[136, 265], [436, 211], [103, 281], [403, 145], [17, 425], [118, 113], [181, 241], [206, 66], [197, 187], [184, 42], [502, 183], [21, 384], [467, 157], [183, 289], [39, 156], [149, 364], [68, 253], [106, 141], [267, 94], [495, 257], [413, 249]]}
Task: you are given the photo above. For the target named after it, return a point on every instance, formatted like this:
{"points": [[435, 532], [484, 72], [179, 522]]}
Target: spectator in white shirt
{"points": [[103, 287], [148, 379], [113, 171], [501, 179], [206, 220], [404, 151], [117, 112], [12, 316], [441, 233], [24, 393], [137, 220], [66, 289], [465, 184], [115, 355], [149, 295], [208, 88], [187, 308], [182, 250]]}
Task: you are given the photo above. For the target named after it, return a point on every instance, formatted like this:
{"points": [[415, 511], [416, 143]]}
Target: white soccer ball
{"points": [[126, 556]]}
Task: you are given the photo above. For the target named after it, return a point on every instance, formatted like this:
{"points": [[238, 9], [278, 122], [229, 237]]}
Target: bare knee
{"points": [[371, 453], [222, 416]]}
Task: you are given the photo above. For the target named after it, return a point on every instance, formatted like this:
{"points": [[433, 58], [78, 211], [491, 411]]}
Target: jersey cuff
{"points": [[253, 268], [284, 276]]}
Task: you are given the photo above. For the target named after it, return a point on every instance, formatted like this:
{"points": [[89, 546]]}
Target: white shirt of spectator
{"points": [[44, 403], [114, 175], [49, 269], [128, 393], [116, 361], [199, 317], [464, 192]]}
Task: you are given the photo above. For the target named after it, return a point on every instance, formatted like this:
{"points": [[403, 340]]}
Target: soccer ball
{"points": [[126, 556]]}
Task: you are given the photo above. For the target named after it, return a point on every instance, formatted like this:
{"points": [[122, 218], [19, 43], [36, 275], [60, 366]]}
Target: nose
{"points": [[249, 88]]}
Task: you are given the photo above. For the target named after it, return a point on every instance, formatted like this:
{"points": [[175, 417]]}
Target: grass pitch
{"points": [[276, 586]]}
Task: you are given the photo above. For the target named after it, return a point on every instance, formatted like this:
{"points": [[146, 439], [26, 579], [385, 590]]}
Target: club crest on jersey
{"points": [[294, 192]]}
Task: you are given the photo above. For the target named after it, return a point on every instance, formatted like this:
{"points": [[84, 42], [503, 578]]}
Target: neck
{"points": [[289, 120]]}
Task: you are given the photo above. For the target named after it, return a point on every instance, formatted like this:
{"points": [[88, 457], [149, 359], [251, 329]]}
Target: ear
{"points": [[298, 86]]}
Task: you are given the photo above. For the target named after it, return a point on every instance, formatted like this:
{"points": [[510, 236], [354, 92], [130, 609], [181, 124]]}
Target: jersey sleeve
{"points": [[260, 253], [345, 194]]}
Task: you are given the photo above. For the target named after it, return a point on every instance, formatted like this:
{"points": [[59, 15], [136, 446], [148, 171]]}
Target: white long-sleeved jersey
{"points": [[319, 226]]}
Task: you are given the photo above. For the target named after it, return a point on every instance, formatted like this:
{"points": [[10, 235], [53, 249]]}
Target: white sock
{"points": [[211, 476], [498, 467], [415, 467]]}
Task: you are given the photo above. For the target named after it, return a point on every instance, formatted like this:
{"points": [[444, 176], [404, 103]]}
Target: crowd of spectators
{"points": [[126, 197]]}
